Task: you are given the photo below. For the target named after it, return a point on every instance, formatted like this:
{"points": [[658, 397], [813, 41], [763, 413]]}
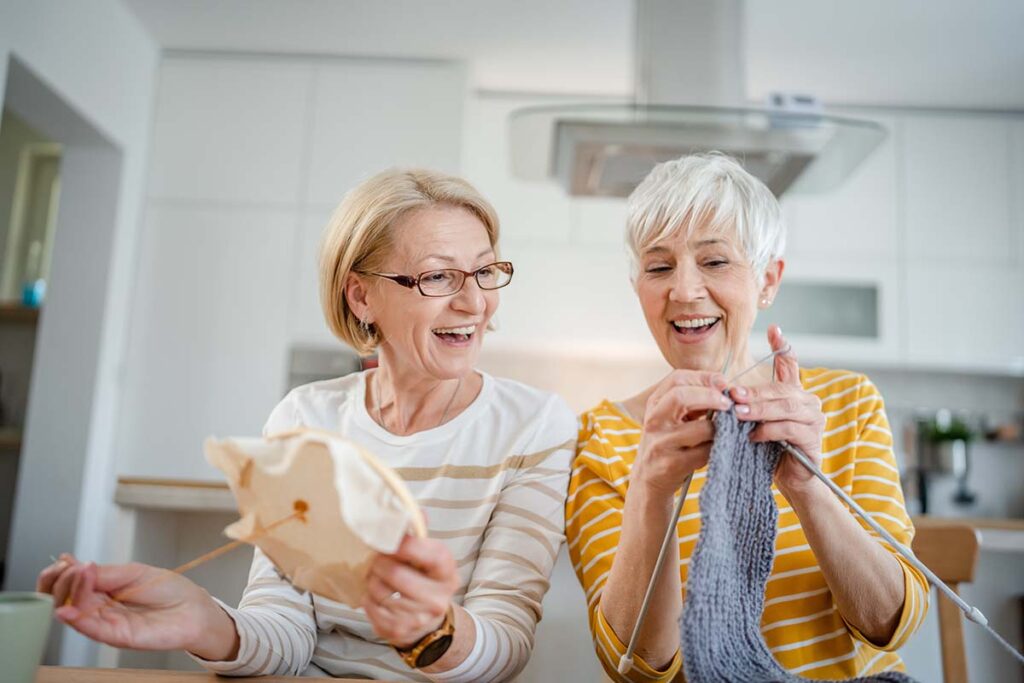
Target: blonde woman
{"points": [[707, 241], [409, 268]]}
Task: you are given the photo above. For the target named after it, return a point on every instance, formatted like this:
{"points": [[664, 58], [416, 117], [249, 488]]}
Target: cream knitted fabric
{"points": [[720, 632]]}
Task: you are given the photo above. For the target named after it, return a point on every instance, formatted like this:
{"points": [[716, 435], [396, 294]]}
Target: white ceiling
{"points": [[578, 46], [903, 52]]}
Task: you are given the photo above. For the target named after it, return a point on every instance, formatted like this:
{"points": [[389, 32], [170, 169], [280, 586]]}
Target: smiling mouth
{"points": [[455, 334], [695, 326]]}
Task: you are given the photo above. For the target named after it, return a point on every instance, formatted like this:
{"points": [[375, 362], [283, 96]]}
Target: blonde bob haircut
{"points": [[359, 236], [711, 190]]}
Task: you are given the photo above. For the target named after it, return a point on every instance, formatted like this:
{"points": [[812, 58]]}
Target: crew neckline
{"points": [[470, 413]]}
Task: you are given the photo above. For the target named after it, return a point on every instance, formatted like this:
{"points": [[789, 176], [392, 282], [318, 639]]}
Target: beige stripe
{"points": [[499, 586], [514, 602], [458, 504], [459, 533], [540, 538], [512, 557], [539, 520], [275, 601], [516, 462], [557, 496]]}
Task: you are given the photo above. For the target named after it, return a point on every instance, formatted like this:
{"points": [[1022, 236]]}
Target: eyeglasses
{"points": [[450, 281]]}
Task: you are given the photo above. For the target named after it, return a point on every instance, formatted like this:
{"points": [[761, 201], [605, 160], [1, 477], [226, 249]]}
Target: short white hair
{"points": [[706, 189]]}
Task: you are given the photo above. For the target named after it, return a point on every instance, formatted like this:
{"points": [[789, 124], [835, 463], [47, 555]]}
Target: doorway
{"points": [[58, 245]]}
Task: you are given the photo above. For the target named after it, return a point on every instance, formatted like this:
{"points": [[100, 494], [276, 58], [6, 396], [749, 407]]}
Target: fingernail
{"points": [[726, 402], [742, 410], [740, 391]]}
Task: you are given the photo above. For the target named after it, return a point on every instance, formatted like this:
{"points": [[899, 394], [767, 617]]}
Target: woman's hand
{"points": [[786, 412], [158, 610], [410, 591], [677, 437]]}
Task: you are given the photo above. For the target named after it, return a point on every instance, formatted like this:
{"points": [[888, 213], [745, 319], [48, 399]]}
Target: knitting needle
{"points": [[972, 613], [626, 660]]}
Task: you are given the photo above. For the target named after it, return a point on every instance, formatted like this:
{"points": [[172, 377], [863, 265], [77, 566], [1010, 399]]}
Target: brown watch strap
{"points": [[446, 631]]}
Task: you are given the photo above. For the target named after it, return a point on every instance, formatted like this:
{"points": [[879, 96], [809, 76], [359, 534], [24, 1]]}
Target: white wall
{"points": [[101, 63]]}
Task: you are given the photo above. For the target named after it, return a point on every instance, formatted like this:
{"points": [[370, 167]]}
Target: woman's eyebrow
{"points": [[451, 259]]}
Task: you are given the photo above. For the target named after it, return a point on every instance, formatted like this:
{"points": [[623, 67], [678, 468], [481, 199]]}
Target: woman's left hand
{"points": [[410, 591], [785, 411]]}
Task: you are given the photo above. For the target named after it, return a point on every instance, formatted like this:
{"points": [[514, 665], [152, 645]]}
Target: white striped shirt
{"points": [[492, 481]]}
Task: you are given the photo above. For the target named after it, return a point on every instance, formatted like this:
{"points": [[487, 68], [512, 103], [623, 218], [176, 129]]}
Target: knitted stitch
{"points": [[720, 628]]}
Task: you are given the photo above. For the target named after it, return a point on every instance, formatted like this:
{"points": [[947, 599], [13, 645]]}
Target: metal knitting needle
{"points": [[626, 660], [972, 613]]}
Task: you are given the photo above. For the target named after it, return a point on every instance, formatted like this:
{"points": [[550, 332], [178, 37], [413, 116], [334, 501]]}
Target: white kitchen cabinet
{"points": [[1017, 189], [229, 129], [858, 219], [965, 317], [306, 324], [829, 290], [599, 220], [207, 347], [956, 180], [529, 211], [368, 115]]}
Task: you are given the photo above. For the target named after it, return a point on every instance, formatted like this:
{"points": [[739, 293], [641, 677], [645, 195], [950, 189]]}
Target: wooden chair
{"points": [[950, 549]]}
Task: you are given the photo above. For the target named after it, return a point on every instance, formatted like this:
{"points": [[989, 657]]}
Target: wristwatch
{"points": [[432, 646]]}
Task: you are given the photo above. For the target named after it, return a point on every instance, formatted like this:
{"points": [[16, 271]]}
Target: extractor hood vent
{"points": [[690, 97], [606, 150]]}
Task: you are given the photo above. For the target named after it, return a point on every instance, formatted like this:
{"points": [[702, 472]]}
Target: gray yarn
{"points": [[720, 628]]}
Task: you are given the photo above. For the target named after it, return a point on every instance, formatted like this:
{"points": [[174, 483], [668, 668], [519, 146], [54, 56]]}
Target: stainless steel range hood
{"points": [[690, 87]]}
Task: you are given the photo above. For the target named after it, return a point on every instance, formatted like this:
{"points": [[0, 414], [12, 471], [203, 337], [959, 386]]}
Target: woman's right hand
{"points": [[677, 437], [158, 609]]}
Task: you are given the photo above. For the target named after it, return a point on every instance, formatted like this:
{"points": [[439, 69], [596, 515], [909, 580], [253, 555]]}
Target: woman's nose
{"points": [[688, 284], [470, 298]]}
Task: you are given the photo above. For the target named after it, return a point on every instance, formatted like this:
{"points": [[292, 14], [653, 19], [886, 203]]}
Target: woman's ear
{"points": [[356, 297], [772, 280]]}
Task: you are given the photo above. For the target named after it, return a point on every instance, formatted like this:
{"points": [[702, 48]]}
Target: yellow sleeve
{"points": [[593, 520], [877, 489]]}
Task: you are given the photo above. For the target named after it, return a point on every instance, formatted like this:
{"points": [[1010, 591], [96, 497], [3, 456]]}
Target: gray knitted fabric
{"points": [[720, 628]]}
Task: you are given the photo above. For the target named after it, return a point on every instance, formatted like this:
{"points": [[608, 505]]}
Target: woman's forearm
{"points": [[218, 639], [645, 519], [462, 644], [864, 578]]}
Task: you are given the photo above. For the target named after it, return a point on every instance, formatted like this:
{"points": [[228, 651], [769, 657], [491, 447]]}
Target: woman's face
{"points": [[700, 296], [439, 337]]}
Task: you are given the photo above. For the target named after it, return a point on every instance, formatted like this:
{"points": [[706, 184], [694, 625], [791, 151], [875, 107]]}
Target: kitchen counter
{"points": [[997, 534], [189, 495]]}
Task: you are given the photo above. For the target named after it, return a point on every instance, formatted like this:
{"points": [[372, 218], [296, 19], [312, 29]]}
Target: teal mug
{"points": [[24, 625]]}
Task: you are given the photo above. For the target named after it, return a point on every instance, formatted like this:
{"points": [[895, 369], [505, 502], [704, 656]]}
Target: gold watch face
{"points": [[434, 651]]}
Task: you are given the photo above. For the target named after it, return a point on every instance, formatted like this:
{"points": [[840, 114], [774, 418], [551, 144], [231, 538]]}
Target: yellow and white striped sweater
{"points": [[801, 624]]}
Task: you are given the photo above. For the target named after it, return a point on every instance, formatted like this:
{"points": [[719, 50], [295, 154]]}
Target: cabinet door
{"points": [[368, 115], [857, 219], [956, 175], [208, 341], [530, 211], [965, 317], [837, 312], [229, 130]]}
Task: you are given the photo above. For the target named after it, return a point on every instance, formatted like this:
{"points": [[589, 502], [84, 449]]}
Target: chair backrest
{"points": [[950, 549]]}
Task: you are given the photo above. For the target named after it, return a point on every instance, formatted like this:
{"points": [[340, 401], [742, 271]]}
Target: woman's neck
{"points": [[405, 402]]}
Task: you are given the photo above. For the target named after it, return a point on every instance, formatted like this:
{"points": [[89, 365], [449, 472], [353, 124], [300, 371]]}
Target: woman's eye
{"points": [[716, 263], [657, 269], [440, 276]]}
